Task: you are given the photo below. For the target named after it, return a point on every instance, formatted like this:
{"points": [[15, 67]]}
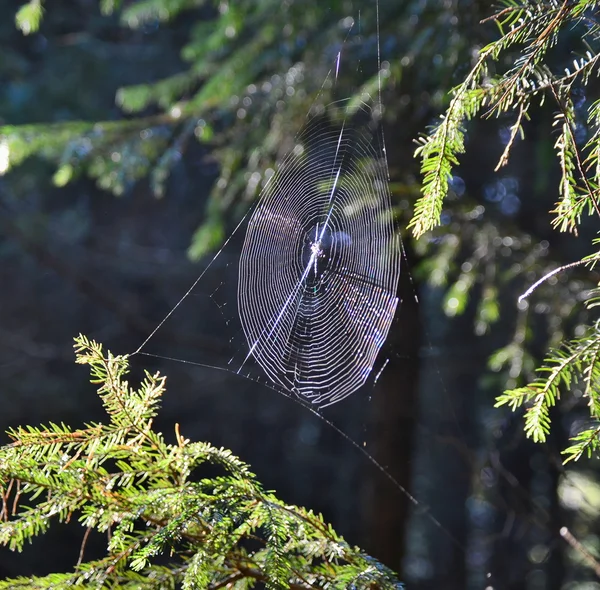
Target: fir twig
{"points": [[122, 478]]}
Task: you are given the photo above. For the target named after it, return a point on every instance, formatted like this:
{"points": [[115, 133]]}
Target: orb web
{"points": [[320, 263]]}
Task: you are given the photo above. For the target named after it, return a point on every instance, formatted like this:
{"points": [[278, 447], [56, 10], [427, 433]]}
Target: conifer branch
{"points": [[575, 361], [535, 28], [124, 478]]}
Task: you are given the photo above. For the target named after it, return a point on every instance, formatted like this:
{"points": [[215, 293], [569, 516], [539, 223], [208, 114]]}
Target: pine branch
{"points": [[535, 28], [577, 360], [124, 478], [439, 152]]}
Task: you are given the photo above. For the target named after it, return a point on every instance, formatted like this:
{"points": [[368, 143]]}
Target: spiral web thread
{"points": [[320, 264]]}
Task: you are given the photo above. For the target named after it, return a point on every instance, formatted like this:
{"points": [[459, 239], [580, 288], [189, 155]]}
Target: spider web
{"points": [[320, 264], [304, 290], [317, 272]]}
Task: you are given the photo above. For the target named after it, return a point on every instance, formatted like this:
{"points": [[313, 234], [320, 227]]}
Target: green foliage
{"points": [[243, 88], [572, 367], [439, 154], [531, 28], [123, 479], [29, 16], [228, 56], [116, 154], [508, 75], [208, 236], [576, 362]]}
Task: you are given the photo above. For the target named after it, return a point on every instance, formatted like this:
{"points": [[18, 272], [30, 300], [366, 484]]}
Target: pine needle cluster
{"points": [[576, 362], [165, 527]]}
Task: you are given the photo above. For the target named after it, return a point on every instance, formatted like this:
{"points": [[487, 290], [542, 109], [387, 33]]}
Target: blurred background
{"points": [[135, 136]]}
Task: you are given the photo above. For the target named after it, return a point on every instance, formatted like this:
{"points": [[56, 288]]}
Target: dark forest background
{"points": [[109, 258]]}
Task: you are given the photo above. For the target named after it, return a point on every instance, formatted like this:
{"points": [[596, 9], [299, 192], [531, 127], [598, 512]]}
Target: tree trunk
{"points": [[392, 427]]}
